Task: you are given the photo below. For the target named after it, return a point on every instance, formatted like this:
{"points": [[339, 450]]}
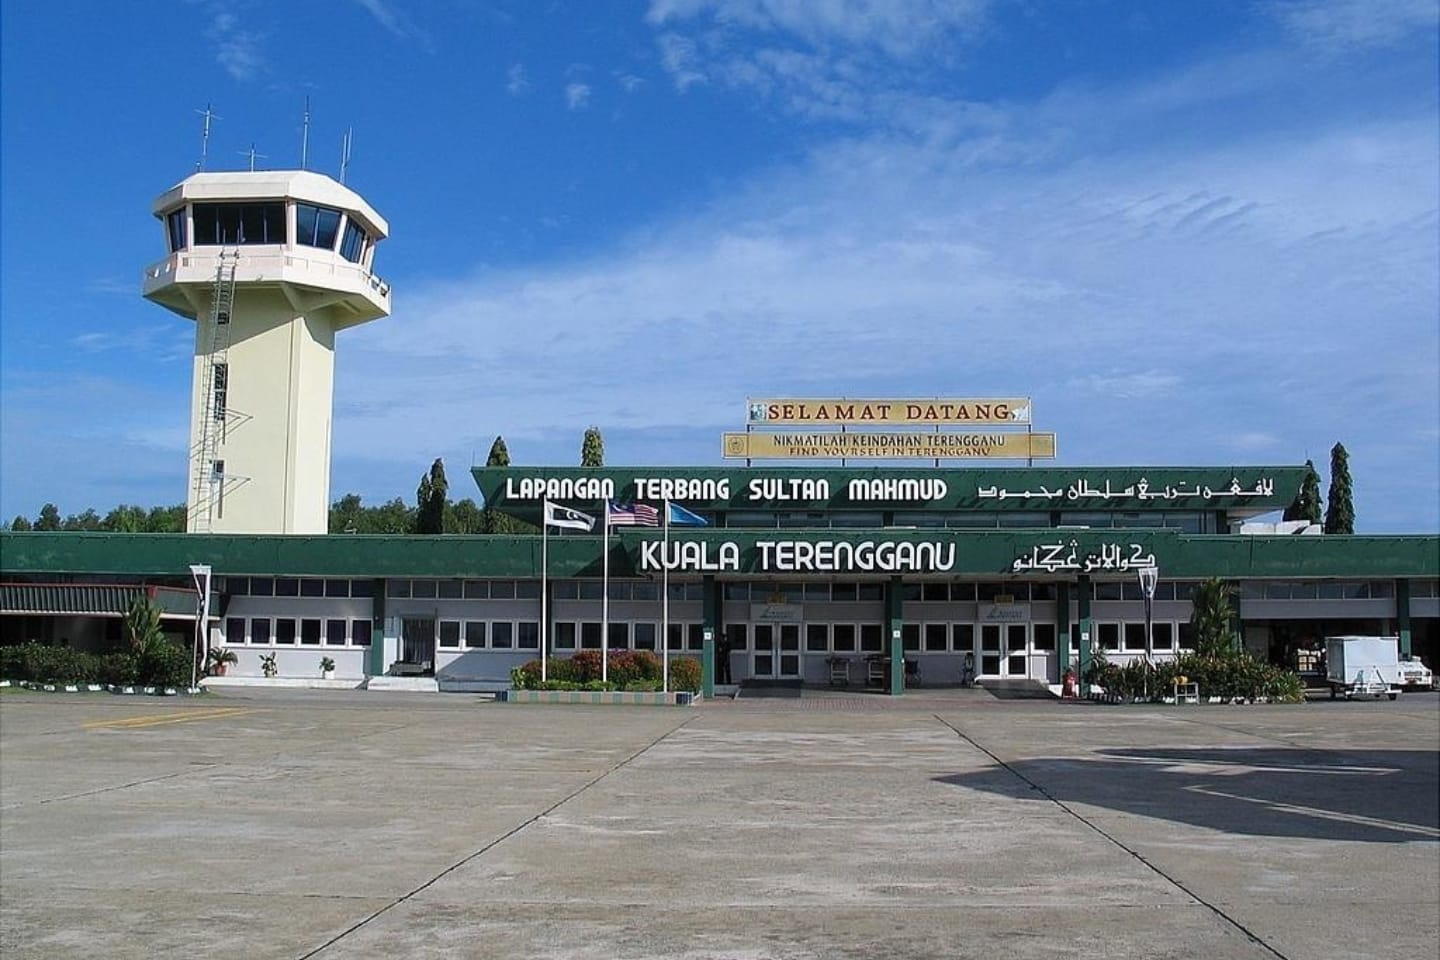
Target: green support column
{"points": [[710, 611], [1087, 630], [1402, 614], [893, 625], [1062, 626], [377, 630], [1237, 623]]}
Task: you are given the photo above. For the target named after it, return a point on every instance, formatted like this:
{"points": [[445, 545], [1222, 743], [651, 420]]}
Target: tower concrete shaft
{"points": [[269, 265]]}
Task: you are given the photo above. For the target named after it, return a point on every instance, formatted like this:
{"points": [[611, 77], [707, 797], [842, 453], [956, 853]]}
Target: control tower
{"points": [[269, 265]]}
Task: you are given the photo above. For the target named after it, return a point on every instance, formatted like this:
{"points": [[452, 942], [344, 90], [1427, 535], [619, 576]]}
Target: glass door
{"points": [[762, 653], [1017, 649], [990, 637], [789, 660], [417, 645]]}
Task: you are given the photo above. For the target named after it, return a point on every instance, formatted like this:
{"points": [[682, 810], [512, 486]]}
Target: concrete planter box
{"points": [[681, 699]]}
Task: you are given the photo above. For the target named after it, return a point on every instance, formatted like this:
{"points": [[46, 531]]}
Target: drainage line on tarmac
{"points": [[493, 843], [1131, 851]]}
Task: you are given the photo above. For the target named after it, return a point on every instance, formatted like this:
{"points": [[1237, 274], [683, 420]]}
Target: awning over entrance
{"points": [[92, 599]]}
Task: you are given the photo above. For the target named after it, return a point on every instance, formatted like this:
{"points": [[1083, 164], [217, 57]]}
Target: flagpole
{"points": [[544, 583], [605, 600], [665, 606]]}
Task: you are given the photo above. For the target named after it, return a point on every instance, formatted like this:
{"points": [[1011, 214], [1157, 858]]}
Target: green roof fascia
{"points": [[1123, 489], [985, 553]]}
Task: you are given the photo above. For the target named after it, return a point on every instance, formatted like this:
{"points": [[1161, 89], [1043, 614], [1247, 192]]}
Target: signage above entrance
{"points": [[928, 446], [1012, 411], [1239, 491]]}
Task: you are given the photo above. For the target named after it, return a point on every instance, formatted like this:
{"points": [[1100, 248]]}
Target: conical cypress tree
{"points": [[1306, 505], [1340, 511], [592, 449]]}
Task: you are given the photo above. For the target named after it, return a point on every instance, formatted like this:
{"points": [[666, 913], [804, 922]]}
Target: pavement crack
{"points": [[499, 840], [111, 789], [1116, 841]]}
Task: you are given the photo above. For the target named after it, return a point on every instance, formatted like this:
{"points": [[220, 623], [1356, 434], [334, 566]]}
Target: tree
{"points": [[346, 514], [430, 500], [464, 517], [392, 517], [1340, 510], [491, 520], [1211, 614], [21, 523], [592, 449], [49, 518], [1306, 505], [124, 519], [89, 520], [499, 454], [166, 519], [142, 626]]}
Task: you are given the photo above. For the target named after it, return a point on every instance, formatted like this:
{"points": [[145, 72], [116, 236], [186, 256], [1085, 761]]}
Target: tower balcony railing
{"points": [[273, 264]]}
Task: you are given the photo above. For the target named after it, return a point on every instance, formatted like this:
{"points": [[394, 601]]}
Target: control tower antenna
{"points": [[305, 138], [253, 156], [345, 152], [209, 116]]}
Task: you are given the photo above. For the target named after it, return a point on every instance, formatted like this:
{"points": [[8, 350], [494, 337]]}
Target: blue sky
{"points": [[1195, 234]]}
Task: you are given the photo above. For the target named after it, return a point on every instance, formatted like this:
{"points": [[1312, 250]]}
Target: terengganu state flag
{"points": [[558, 516], [680, 517]]}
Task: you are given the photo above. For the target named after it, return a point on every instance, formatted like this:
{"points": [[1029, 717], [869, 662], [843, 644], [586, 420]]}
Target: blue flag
{"points": [[680, 517]]}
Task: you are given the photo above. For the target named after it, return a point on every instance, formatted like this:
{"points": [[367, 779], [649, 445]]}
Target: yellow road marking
{"points": [[156, 719]]}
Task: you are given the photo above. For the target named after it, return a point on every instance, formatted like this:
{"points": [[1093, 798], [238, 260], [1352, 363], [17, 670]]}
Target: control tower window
{"points": [[316, 226], [225, 224], [175, 229], [352, 248]]}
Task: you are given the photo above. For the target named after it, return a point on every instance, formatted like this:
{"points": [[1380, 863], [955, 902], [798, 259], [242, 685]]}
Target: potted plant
{"points": [[219, 660], [327, 668], [267, 664]]}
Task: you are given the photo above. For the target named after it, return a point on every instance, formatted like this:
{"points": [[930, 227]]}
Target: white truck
{"points": [[1363, 666], [1414, 673]]}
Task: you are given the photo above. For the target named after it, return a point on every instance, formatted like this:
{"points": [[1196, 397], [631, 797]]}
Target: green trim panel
{"points": [[988, 554]]}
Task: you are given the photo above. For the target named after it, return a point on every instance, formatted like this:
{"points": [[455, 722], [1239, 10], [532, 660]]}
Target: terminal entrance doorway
{"points": [[1003, 650], [775, 651]]}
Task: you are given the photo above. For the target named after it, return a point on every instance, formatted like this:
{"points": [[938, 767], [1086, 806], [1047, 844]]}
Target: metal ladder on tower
{"points": [[214, 391]]}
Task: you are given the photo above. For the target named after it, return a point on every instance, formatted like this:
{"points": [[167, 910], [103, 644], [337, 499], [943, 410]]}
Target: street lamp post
{"points": [[200, 572], [1149, 576]]}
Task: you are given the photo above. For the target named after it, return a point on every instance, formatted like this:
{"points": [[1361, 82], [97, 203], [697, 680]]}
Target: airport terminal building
{"points": [[807, 574], [806, 571]]}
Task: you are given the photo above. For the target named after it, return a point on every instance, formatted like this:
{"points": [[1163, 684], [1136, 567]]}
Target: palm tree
{"points": [[142, 626], [1210, 616]]}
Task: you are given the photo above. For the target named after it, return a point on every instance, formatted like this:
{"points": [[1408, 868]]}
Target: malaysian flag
{"points": [[631, 515]]}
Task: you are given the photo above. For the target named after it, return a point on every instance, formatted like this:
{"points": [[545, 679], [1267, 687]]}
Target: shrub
{"points": [[12, 663], [164, 665], [685, 674], [120, 669], [41, 663], [629, 667]]}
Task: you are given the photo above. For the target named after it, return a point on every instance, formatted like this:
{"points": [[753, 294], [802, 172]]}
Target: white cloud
{"points": [[393, 21], [830, 59], [577, 96], [1173, 305], [237, 50], [516, 82], [897, 27], [1343, 25], [629, 82]]}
